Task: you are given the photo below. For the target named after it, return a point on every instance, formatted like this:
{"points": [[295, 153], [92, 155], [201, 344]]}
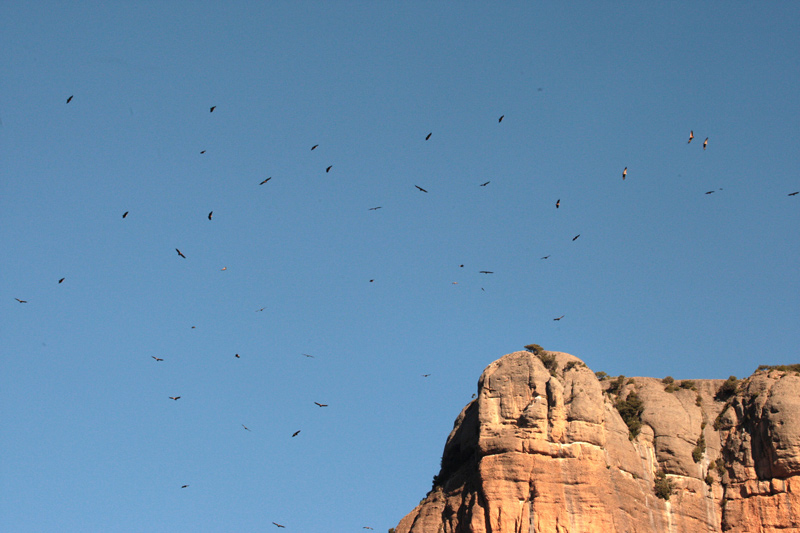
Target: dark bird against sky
{"points": [[279, 525], [576, 236], [209, 215], [500, 119], [329, 168], [485, 184], [321, 404], [428, 136], [374, 208], [486, 272], [705, 143], [794, 193], [314, 146], [179, 253], [124, 214], [266, 180], [558, 203], [61, 280], [156, 358], [624, 173], [296, 433], [559, 318], [70, 99], [213, 107], [420, 188], [691, 136], [176, 398], [21, 301]]}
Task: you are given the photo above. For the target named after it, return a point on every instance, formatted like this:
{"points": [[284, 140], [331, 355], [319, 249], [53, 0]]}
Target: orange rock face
{"points": [[544, 448]]}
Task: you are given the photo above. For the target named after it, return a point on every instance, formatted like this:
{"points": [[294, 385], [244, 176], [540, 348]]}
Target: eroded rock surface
{"points": [[544, 449]]}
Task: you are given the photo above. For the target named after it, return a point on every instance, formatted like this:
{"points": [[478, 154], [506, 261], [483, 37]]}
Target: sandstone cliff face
{"points": [[544, 449]]}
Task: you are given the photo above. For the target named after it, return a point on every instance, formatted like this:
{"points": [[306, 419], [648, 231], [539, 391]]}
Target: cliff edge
{"points": [[546, 446]]}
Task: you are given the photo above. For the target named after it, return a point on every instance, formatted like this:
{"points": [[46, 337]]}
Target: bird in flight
{"points": [[485, 184], [156, 358], [266, 180], [691, 136], [237, 356], [576, 236], [314, 146], [279, 525], [213, 107], [428, 136], [366, 527], [485, 272], [329, 168], [21, 301], [546, 257], [425, 375], [321, 404], [179, 253], [624, 173], [558, 203], [245, 427], [61, 280], [259, 310], [296, 433], [124, 214], [210, 214], [184, 486], [711, 192], [501, 118], [308, 355], [202, 151], [705, 143], [70, 99], [374, 208], [176, 398], [794, 193], [559, 318], [420, 188], [223, 268]]}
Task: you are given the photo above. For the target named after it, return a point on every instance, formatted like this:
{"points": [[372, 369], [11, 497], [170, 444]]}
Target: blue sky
{"points": [[663, 280]]}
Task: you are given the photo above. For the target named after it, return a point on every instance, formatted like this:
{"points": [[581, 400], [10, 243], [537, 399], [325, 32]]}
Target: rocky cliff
{"points": [[546, 446]]}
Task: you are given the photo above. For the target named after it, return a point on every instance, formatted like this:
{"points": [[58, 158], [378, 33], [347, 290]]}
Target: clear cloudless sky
{"points": [[663, 280]]}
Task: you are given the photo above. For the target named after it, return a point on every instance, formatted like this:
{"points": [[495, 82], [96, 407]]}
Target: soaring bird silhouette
{"points": [[576, 236], [314, 146], [223, 268], [546, 257], [70, 99], [176, 398], [296, 433], [793, 193], [705, 143], [213, 107], [21, 301], [279, 525], [156, 358], [485, 184], [309, 355], [500, 119], [245, 427], [237, 356], [184, 486], [374, 208], [420, 188], [179, 253], [691, 136], [259, 310], [124, 214], [209, 215], [558, 203], [202, 151], [425, 375], [624, 173], [266, 180], [559, 318], [329, 168], [61, 280], [485, 272], [321, 404], [428, 136]]}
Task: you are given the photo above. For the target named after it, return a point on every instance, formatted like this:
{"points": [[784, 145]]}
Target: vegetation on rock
{"points": [[662, 486], [630, 409]]}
